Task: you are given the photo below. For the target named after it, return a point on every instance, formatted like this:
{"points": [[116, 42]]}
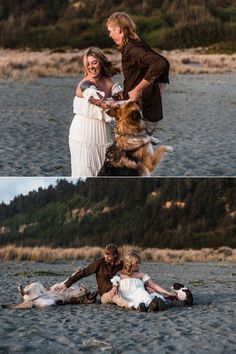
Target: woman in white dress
{"points": [[90, 132], [138, 288]]}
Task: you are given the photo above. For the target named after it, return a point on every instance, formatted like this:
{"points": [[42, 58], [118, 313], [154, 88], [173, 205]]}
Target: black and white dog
{"points": [[183, 293]]}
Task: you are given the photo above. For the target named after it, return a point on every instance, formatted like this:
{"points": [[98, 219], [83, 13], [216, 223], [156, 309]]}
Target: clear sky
{"points": [[13, 186]]}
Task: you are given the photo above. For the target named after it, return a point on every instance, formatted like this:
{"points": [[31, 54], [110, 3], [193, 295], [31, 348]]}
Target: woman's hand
{"points": [[174, 295], [113, 292], [118, 96]]}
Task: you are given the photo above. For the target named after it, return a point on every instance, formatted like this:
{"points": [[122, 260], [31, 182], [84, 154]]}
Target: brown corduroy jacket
{"points": [[139, 62], [104, 272]]}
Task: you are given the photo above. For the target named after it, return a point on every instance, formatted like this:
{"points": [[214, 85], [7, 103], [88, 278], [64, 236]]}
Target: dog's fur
{"points": [[183, 293], [36, 295], [131, 154]]}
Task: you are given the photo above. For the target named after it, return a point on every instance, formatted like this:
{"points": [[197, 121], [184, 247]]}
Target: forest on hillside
{"points": [[173, 213], [164, 24]]}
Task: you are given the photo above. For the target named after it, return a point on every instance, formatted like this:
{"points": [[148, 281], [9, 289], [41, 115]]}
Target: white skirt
{"points": [[133, 290], [88, 140]]}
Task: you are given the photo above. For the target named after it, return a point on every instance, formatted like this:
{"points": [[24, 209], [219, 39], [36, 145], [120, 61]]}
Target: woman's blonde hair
{"points": [[107, 67], [112, 250], [130, 262], [122, 20]]}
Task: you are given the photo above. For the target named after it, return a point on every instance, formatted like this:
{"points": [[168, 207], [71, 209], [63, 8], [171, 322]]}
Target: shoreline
{"points": [[169, 256], [29, 65]]}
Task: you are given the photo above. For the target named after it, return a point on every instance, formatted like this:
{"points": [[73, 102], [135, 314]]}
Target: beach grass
{"points": [[27, 65], [47, 254]]}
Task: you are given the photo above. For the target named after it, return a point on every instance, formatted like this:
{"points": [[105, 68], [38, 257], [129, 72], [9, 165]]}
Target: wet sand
{"points": [[206, 327], [199, 122]]}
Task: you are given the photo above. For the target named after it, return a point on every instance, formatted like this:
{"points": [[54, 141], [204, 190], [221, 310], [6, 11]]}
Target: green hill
{"points": [[165, 24], [173, 213]]}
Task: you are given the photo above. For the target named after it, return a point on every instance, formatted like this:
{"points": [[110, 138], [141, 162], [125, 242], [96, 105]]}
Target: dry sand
{"points": [[199, 122], [206, 327], [28, 65]]}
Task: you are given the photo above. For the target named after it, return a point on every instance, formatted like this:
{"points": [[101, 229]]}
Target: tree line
{"points": [[164, 24], [173, 213]]}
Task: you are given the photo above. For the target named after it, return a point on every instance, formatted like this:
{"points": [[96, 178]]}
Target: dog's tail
{"points": [[153, 160], [165, 149], [159, 154]]}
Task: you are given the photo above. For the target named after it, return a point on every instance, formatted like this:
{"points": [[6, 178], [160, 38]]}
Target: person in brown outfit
{"points": [[104, 268], [145, 71]]}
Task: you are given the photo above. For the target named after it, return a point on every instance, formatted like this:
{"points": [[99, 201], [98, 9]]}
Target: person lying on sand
{"points": [[137, 288], [104, 268]]}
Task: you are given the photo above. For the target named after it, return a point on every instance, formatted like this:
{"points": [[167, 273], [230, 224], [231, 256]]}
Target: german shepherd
{"points": [[131, 154]]}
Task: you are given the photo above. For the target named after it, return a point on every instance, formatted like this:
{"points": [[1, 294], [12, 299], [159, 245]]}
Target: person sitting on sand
{"points": [[89, 133], [104, 268], [138, 288]]}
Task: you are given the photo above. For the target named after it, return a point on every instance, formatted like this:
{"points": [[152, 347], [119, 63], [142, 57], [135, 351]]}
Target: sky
{"points": [[13, 186]]}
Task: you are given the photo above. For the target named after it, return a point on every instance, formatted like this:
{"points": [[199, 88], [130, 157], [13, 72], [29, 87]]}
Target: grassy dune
{"points": [[46, 254], [27, 65]]}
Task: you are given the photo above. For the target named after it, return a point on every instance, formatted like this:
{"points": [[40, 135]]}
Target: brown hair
{"points": [[130, 262], [107, 68], [112, 250], [122, 20]]}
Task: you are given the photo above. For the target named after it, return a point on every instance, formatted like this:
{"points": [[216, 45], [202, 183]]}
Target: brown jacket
{"points": [[104, 272], [139, 62]]}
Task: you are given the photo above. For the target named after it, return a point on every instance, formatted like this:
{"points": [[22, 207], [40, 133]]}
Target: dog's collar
{"points": [[135, 136]]}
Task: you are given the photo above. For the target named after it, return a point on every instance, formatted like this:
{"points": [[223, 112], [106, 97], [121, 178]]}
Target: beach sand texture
{"points": [[199, 122], [206, 327]]}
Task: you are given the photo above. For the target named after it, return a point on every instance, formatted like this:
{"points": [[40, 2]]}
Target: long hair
{"points": [[130, 262], [107, 67], [122, 20], [112, 250]]}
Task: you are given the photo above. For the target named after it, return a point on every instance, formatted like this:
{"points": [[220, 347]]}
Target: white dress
{"points": [[89, 134], [133, 290]]}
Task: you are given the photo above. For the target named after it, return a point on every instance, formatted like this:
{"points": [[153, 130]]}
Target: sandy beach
{"points": [[198, 122], [207, 326]]}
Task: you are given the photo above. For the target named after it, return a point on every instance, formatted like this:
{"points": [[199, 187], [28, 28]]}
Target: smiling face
{"points": [[116, 34], [109, 258], [92, 67]]}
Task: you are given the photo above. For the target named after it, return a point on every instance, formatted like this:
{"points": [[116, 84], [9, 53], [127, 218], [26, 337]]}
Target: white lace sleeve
{"points": [[116, 280], [116, 88], [92, 91], [89, 89], [145, 278]]}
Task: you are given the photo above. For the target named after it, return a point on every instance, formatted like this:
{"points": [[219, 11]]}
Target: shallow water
{"points": [[207, 327], [199, 122]]}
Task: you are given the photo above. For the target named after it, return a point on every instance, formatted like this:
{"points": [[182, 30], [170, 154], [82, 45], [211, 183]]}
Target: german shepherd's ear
{"points": [[112, 112]]}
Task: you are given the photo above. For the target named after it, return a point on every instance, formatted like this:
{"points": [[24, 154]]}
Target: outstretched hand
{"points": [[60, 287], [172, 295]]}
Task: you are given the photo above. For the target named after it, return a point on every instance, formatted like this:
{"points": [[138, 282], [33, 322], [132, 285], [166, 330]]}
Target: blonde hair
{"points": [[107, 67], [130, 262], [122, 20], [112, 250]]}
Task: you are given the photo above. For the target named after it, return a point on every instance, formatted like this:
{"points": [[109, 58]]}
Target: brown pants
{"points": [[118, 300]]}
